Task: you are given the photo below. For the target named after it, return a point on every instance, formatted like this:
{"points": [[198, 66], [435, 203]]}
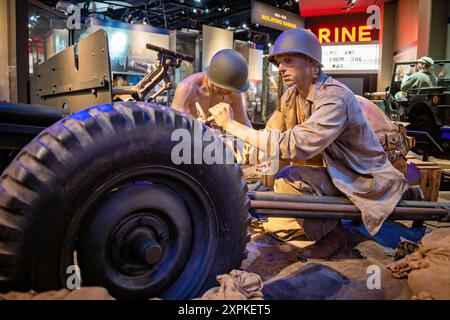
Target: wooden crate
{"points": [[427, 175]]}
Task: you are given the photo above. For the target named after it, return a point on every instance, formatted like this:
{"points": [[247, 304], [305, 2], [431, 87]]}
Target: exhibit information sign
{"points": [[275, 18], [350, 57]]}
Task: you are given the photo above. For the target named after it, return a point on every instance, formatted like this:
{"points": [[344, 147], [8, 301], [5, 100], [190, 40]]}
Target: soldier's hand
{"points": [[222, 113]]}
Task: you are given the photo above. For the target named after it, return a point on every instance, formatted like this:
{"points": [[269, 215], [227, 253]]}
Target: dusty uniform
{"points": [[330, 123], [421, 79]]}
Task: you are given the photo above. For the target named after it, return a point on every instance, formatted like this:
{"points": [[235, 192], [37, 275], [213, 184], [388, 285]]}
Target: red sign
{"points": [[345, 28], [344, 34]]}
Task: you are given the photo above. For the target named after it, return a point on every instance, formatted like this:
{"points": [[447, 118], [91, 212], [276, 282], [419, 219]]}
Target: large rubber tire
{"points": [[425, 122], [107, 170]]}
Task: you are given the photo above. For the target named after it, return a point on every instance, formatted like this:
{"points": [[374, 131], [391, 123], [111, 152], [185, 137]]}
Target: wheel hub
{"points": [[139, 243], [136, 242]]}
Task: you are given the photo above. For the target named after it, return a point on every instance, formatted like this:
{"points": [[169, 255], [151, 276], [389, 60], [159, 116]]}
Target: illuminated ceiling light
{"points": [[244, 25], [269, 44], [206, 10], [194, 10], [118, 43]]}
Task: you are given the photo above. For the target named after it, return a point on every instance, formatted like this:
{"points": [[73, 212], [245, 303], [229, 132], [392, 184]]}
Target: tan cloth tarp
{"points": [[427, 269], [237, 285], [85, 293]]}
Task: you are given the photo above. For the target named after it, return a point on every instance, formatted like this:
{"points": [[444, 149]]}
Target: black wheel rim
{"points": [[183, 267]]}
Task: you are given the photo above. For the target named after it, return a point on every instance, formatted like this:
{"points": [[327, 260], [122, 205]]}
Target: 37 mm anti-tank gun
{"points": [[166, 60], [86, 79]]}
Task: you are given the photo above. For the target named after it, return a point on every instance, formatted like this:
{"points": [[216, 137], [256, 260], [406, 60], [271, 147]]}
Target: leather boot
{"points": [[325, 247]]}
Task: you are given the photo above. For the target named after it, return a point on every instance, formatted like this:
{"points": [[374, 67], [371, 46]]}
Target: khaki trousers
{"points": [[304, 180]]}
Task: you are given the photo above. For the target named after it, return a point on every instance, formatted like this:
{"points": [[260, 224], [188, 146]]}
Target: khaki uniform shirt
{"points": [[330, 122], [421, 79]]}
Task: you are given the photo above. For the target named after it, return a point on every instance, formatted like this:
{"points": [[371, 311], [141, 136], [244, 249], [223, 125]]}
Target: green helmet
{"points": [[228, 70], [401, 96], [297, 41]]}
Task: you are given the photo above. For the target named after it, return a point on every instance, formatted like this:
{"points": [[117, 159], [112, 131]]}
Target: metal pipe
{"points": [[307, 214], [325, 207], [339, 215], [255, 186], [272, 196]]}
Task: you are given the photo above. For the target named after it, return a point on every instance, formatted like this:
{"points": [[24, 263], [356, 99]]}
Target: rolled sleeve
{"points": [[408, 83], [308, 139], [276, 121]]}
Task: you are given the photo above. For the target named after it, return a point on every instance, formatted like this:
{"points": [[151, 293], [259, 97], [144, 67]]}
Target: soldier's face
{"points": [[295, 69], [220, 91]]}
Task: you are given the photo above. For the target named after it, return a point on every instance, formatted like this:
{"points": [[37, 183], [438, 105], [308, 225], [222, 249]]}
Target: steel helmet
{"points": [[228, 70], [297, 40]]}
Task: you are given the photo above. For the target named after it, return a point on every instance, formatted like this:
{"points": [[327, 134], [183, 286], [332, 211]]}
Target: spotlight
{"points": [[109, 11], [349, 4]]}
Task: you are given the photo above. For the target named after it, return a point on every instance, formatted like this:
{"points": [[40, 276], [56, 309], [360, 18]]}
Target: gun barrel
{"points": [[170, 52]]}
